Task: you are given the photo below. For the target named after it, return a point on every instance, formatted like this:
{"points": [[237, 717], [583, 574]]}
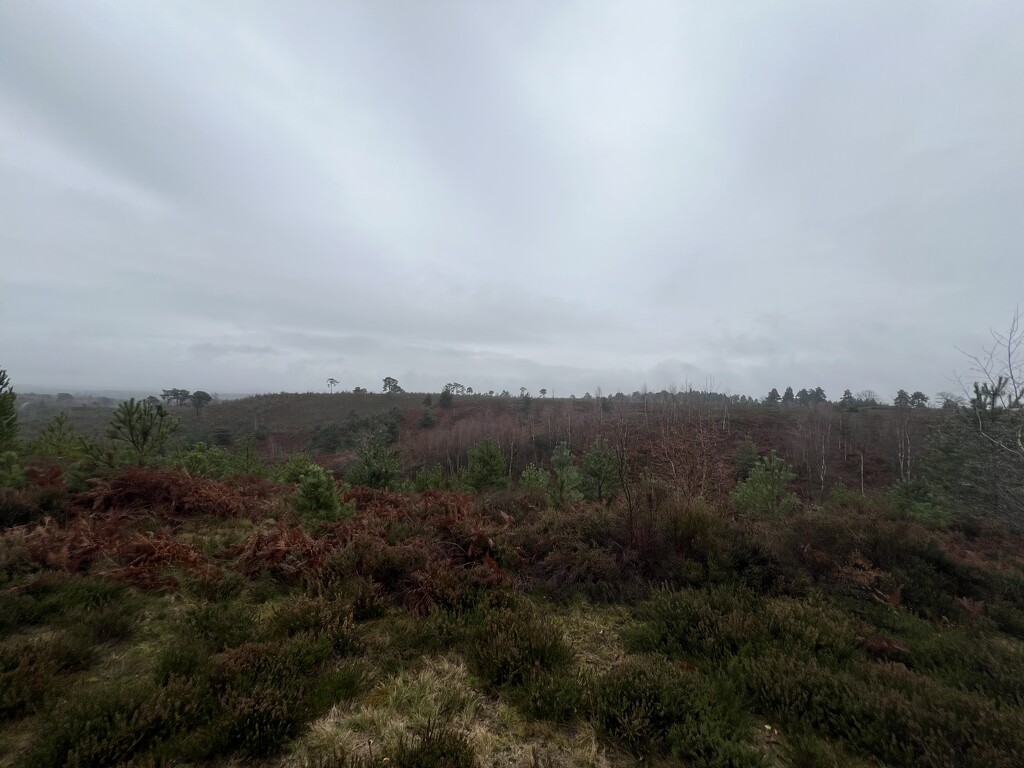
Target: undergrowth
{"points": [[166, 619]]}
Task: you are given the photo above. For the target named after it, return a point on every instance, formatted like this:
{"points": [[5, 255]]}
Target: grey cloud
{"points": [[221, 350], [570, 196]]}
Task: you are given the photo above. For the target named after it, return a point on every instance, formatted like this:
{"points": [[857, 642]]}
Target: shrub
{"points": [[757, 567], [765, 492], [110, 623], [186, 657], [511, 644], [294, 469], [600, 471], [8, 414], [486, 467], [916, 500], [553, 695], [101, 726], [23, 505], [745, 459], [842, 499], [376, 465], [259, 718], [317, 499], [59, 441], [220, 625], [327, 437], [638, 701], [207, 460], [53, 596], [141, 430], [429, 479], [246, 459], [28, 669], [885, 712], [11, 473], [336, 685], [264, 693], [434, 746], [568, 481], [314, 617], [714, 729], [691, 623], [535, 479]]}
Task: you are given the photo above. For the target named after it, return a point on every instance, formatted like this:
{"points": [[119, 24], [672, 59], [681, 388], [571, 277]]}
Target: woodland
{"points": [[464, 579]]}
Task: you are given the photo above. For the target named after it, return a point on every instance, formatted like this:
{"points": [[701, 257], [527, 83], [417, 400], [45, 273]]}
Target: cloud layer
{"points": [[248, 197]]}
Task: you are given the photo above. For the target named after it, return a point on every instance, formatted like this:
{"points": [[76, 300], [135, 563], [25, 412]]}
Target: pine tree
{"points": [[486, 467], [600, 471], [142, 428], [8, 415]]}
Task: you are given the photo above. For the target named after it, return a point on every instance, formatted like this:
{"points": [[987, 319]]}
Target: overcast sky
{"points": [[244, 196]]}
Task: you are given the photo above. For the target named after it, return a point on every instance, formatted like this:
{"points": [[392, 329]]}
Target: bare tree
{"points": [[904, 444], [998, 389]]}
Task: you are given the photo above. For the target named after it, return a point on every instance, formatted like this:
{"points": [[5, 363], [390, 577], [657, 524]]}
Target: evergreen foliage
{"points": [[599, 468], [486, 468], [746, 459], [568, 481], [8, 415], [316, 499], [141, 429], [535, 479], [376, 465], [428, 418], [765, 493], [446, 399]]}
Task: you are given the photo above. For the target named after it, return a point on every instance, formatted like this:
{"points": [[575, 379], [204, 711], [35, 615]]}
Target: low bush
{"points": [[52, 596], [765, 492], [203, 459], [105, 725], [376, 464], [29, 669], [486, 469], [693, 623], [429, 479], [534, 479], [715, 731], [316, 498], [511, 644], [433, 746], [110, 623], [337, 685], [558, 695], [885, 712], [264, 693], [637, 702], [220, 625], [19, 506], [187, 657]]}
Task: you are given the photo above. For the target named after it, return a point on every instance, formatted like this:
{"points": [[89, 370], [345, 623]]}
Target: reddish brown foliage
{"points": [[45, 475], [172, 492], [882, 648], [423, 550], [110, 543], [284, 550]]}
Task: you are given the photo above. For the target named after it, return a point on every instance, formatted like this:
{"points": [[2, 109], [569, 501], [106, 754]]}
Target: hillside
{"points": [[340, 580]]}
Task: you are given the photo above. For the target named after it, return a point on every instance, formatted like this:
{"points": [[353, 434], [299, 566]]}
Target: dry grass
{"points": [[443, 690]]}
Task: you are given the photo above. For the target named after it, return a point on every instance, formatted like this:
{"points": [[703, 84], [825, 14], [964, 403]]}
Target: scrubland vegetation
{"points": [[672, 578]]}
